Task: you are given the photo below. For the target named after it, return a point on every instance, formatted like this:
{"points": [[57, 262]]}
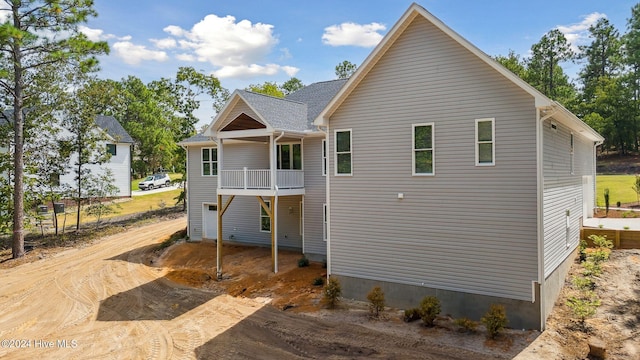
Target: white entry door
{"points": [[210, 221]]}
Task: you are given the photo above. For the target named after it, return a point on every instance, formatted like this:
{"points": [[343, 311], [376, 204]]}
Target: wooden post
{"points": [[221, 211], [616, 244], [274, 235], [219, 240]]}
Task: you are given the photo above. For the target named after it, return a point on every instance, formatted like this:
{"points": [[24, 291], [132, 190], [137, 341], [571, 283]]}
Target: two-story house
{"points": [[432, 171]]}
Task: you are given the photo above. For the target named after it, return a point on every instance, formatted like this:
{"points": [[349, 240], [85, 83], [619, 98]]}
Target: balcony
{"points": [[255, 181]]}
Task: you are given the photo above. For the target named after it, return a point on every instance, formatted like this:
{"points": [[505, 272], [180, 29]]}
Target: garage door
{"points": [[210, 221]]}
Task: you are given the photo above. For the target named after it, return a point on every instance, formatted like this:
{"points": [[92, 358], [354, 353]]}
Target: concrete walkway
{"points": [[613, 223], [154, 191]]}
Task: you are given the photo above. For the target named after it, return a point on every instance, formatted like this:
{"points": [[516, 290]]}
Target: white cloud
{"points": [[352, 34], [5, 12], [186, 57], [134, 54], [578, 34], [95, 34], [166, 43], [223, 42], [248, 71]]}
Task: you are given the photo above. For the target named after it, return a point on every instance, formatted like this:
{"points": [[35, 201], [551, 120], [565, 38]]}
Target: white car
{"points": [[154, 181]]}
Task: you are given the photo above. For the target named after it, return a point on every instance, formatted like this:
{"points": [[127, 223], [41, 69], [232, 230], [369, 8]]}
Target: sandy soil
{"points": [[121, 298]]}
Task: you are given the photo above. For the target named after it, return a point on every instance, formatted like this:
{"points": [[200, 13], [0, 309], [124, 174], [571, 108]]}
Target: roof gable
{"points": [[114, 129], [243, 122], [541, 101]]}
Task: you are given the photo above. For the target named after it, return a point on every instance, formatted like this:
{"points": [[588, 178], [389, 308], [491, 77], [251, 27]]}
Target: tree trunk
{"points": [[17, 249]]}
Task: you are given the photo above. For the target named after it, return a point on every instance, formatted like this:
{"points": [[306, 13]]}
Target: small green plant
{"points": [[591, 268], [606, 201], [582, 250], [618, 204], [625, 227], [303, 261], [429, 309], [465, 325], [319, 281], [583, 282], [332, 292], [376, 301], [600, 226], [583, 307], [495, 320], [411, 314]]}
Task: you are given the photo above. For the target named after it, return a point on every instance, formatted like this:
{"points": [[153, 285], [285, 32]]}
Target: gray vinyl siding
{"points": [[242, 218], [562, 191], [468, 228], [201, 189], [315, 197]]}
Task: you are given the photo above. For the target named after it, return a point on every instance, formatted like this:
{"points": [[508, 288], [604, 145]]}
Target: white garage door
{"points": [[210, 221]]}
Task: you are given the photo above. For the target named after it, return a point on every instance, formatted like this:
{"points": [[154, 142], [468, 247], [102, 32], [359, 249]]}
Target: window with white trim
{"points": [[209, 161], [265, 220], [485, 142], [111, 149], [289, 156], [422, 140], [343, 155], [571, 151], [324, 157], [324, 222]]}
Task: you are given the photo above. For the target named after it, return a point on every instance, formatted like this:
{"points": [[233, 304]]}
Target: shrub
{"points": [[411, 314], [583, 283], [583, 307], [601, 241], [376, 301], [331, 292], [429, 309], [466, 324], [606, 200], [303, 261], [618, 204], [591, 268], [495, 320], [319, 281], [582, 250]]}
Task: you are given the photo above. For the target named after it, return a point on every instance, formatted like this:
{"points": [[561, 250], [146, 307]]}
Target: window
{"points": [[324, 157], [209, 162], [343, 158], [423, 149], [324, 222], [111, 149], [485, 144], [54, 179], [289, 156], [571, 149], [265, 220]]}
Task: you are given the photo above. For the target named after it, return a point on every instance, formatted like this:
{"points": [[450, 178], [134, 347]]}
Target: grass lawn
{"points": [[172, 176], [620, 189], [133, 205]]}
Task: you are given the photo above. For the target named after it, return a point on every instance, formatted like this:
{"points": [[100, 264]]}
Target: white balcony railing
{"points": [[260, 179]]}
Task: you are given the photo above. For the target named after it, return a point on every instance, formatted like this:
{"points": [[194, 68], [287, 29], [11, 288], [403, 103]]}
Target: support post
{"points": [[219, 240], [274, 234]]}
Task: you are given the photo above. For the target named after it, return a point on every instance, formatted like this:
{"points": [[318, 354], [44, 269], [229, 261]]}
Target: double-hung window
{"points": [[485, 142], [423, 163], [265, 220], [325, 217], [209, 162], [343, 152]]}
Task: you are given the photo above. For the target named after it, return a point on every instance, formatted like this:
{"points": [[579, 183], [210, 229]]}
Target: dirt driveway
{"points": [[106, 301]]}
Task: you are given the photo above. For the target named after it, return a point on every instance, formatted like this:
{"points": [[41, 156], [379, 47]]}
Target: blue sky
{"points": [[248, 42]]}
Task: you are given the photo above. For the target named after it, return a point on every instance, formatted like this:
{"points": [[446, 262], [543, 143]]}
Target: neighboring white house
{"points": [[432, 171], [118, 142]]}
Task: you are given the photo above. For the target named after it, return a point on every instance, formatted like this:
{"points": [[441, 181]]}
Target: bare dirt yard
{"points": [[124, 298]]}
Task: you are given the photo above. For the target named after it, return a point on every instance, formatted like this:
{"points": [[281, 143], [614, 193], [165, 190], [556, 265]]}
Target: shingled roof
{"points": [[113, 128], [316, 96]]}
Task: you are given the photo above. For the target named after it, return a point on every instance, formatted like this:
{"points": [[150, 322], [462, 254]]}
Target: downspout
{"points": [[540, 212], [327, 200]]}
